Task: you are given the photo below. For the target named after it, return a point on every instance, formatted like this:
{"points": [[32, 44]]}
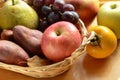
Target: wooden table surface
{"points": [[85, 68]]}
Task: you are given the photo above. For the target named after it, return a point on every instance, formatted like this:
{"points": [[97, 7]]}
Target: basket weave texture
{"points": [[54, 69]]}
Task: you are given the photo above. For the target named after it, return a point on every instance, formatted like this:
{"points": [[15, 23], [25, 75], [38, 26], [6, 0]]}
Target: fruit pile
{"points": [[87, 10], [51, 11], [107, 31], [45, 29]]}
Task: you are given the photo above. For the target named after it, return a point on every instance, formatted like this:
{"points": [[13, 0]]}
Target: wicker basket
{"points": [[54, 69]]}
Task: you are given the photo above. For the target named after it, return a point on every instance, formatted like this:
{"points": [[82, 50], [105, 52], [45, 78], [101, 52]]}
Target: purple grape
{"points": [[46, 10], [43, 25], [76, 16], [38, 3], [70, 16], [51, 11], [67, 16], [58, 4], [68, 7], [53, 17]]}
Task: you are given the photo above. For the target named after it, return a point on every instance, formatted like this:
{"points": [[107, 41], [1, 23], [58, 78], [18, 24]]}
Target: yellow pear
{"points": [[17, 12]]}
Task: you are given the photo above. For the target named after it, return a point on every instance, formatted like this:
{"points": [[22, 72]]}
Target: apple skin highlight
{"points": [[60, 40]]}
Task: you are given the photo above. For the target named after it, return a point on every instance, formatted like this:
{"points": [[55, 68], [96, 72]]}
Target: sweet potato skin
{"points": [[28, 39], [12, 53], [7, 35]]}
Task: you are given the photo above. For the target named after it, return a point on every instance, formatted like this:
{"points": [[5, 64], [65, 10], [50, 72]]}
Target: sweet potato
{"points": [[12, 53], [7, 35], [28, 39]]}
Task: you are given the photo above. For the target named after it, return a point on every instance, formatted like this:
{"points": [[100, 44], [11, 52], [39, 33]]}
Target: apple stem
{"points": [[13, 3]]}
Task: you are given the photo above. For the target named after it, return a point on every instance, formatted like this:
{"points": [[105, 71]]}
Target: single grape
{"points": [[38, 3], [43, 25], [58, 5], [76, 16], [48, 2], [46, 10], [67, 16], [70, 16], [68, 7], [53, 17]]}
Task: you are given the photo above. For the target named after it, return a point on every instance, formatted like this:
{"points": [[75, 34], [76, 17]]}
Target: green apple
{"points": [[109, 15], [17, 12]]}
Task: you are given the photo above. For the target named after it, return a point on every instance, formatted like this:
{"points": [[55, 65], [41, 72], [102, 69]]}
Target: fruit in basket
{"points": [[109, 16], [1, 3], [60, 40], [103, 44], [16, 12], [11, 53], [30, 2], [51, 11], [29, 39], [87, 9], [7, 35]]}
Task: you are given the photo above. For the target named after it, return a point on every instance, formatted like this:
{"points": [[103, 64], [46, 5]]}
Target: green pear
{"points": [[17, 12]]}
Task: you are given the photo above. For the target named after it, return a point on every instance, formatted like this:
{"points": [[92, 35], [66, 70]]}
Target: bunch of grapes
{"points": [[51, 11]]}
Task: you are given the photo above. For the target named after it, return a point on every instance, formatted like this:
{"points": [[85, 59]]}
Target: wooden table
{"points": [[85, 68]]}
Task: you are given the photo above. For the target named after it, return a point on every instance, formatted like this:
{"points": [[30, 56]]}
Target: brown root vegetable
{"points": [[11, 53], [29, 39], [7, 35]]}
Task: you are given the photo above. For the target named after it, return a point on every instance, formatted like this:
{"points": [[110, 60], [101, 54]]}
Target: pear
{"points": [[1, 3], [18, 12]]}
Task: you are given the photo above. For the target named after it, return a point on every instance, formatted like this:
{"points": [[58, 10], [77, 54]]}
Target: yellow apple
{"points": [[109, 15]]}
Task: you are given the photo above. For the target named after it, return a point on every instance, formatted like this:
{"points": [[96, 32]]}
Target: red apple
{"points": [[87, 9], [60, 40]]}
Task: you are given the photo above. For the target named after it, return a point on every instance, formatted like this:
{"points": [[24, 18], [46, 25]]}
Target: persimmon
{"points": [[103, 44]]}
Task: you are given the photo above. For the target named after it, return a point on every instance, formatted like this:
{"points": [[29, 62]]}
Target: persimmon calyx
{"points": [[96, 40]]}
